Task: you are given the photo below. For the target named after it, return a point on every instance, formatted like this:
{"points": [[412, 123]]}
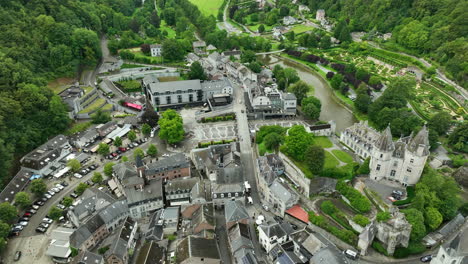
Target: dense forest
{"points": [[41, 40], [432, 28]]}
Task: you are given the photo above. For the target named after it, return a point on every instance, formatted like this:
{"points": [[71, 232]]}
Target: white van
{"points": [[249, 200], [350, 254]]}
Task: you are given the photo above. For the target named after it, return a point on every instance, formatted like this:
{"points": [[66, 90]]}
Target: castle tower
{"points": [[416, 154], [381, 155]]}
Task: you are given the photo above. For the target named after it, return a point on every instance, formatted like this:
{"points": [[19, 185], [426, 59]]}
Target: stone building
{"points": [[392, 233], [454, 253], [401, 161], [320, 15]]}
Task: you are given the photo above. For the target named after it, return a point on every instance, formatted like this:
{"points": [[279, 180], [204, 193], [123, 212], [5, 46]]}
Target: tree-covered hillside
{"points": [[41, 40], [435, 28]]}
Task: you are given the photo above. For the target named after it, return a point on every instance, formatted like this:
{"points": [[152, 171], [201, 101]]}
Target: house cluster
{"points": [[176, 94], [78, 98], [401, 161]]}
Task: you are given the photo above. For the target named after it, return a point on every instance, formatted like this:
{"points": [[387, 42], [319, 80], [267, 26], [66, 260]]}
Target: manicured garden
{"points": [[129, 86], [324, 142], [342, 156]]}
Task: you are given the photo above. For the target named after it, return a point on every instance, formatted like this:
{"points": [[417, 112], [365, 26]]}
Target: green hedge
{"points": [[379, 248], [207, 144], [343, 234], [357, 200], [218, 118], [412, 249]]}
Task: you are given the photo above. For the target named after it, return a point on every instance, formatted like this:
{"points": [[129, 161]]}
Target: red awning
{"points": [[297, 212]]}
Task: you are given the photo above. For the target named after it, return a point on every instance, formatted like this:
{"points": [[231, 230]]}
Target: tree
{"points": [[311, 106], [55, 213], [74, 165], [103, 149], [248, 56], [432, 218], [152, 151], [101, 117], [172, 50], [383, 216], [131, 135], [85, 45], [296, 142], [416, 219], [146, 49], [155, 20], [336, 81], [108, 169], [272, 141], [364, 168], [67, 201], [146, 129], [22, 199], [4, 229], [328, 207], [38, 187], [255, 67], [171, 127], [361, 220], [363, 100], [315, 158], [261, 28], [97, 178], [325, 42], [150, 117], [300, 90], [290, 76], [118, 141], [459, 137], [196, 72], [138, 152], [81, 188], [7, 212], [440, 122], [124, 159]]}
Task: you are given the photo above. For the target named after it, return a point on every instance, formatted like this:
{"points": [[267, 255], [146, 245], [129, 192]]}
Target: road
{"points": [[226, 25], [222, 237]]}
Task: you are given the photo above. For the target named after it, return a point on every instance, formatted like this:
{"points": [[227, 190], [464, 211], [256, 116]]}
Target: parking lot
{"points": [[215, 131], [256, 124], [385, 188]]}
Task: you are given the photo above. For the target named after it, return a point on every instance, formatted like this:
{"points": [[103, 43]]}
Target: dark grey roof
{"points": [[326, 254], [385, 141], [124, 170], [452, 225], [155, 228], [17, 184], [163, 87], [180, 185], [289, 96], [85, 231], [113, 211], [155, 46], [420, 140], [273, 229], [175, 161], [88, 257], [235, 211], [151, 253], [230, 175], [322, 184], [197, 247], [46, 153], [152, 191]]}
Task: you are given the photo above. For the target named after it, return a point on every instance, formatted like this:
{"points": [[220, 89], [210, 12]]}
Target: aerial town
{"points": [[225, 131]]}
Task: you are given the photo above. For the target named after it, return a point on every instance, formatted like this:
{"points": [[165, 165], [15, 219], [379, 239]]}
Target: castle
{"points": [[401, 161]]}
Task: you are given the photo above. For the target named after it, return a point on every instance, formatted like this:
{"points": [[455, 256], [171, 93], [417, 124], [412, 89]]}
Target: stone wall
{"points": [[296, 175]]}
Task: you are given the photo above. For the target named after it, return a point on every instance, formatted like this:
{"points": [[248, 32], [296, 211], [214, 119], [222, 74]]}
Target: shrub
{"points": [[412, 249], [383, 216], [357, 200], [379, 248], [361, 220], [328, 207]]}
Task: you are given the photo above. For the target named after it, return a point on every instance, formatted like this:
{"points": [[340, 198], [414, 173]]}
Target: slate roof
{"points": [[151, 253], [199, 44], [325, 254], [180, 185], [421, 139], [230, 175], [17, 184], [452, 225], [322, 184], [385, 141], [151, 191], [235, 211], [124, 170], [113, 211], [163, 87], [88, 257], [272, 230], [85, 231], [175, 161], [197, 247], [282, 193]]}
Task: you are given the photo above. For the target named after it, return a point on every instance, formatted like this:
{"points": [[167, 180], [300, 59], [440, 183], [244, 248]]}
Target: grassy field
{"points": [[330, 160], [324, 142], [78, 127], [301, 28], [208, 7], [343, 156], [94, 106], [170, 32], [169, 78], [60, 84]]}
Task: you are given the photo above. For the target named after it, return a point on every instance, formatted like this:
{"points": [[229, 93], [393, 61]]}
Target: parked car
{"points": [[47, 220], [73, 195], [17, 255], [56, 190], [92, 167], [77, 175], [64, 184], [123, 149], [350, 254], [44, 225], [118, 151], [24, 223], [59, 186], [134, 144], [47, 195], [265, 207], [427, 258], [41, 229], [50, 192], [61, 206], [18, 228], [43, 200], [24, 219], [114, 154], [35, 206], [31, 211], [27, 214]]}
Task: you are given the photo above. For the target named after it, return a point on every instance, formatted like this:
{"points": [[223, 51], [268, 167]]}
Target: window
{"points": [[229, 195], [381, 155], [222, 195], [392, 173], [156, 100], [179, 98], [408, 169], [168, 99], [190, 98], [411, 160], [378, 167]]}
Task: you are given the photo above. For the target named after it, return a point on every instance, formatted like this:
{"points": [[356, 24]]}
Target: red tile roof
{"points": [[297, 212]]}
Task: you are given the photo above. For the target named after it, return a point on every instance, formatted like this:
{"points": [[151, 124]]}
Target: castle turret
{"points": [[382, 155], [416, 154], [420, 143]]}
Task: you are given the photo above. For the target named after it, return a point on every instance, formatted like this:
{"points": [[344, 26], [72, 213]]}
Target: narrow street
{"points": [[221, 236]]}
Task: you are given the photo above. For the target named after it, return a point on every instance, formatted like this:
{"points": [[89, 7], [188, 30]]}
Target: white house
{"points": [[454, 253], [401, 161], [271, 234], [156, 50]]}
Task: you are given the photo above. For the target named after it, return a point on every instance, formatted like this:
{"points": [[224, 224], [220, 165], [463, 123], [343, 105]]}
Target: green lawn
{"points": [[343, 156], [87, 89], [94, 106], [330, 160], [208, 7], [78, 127], [324, 142], [170, 32], [301, 28]]}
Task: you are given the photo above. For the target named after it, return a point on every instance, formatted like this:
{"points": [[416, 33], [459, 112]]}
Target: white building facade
{"points": [[401, 161], [156, 50]]}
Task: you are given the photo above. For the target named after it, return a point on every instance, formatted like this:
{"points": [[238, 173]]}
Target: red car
{"points": [[114, 154], [27, 215], [123, 149]]}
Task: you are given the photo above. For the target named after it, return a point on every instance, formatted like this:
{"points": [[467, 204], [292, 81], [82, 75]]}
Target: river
{"points": [[331, 108]]}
